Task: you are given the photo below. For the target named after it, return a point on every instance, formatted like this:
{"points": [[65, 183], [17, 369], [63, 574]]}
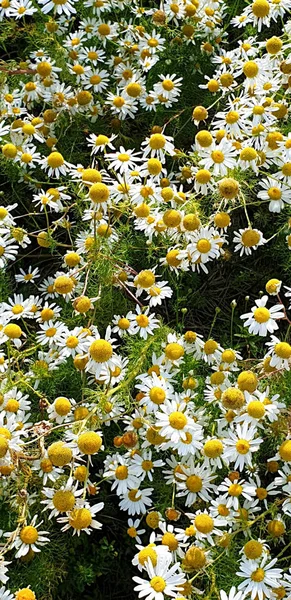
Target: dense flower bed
{"points": [[145, 441]]}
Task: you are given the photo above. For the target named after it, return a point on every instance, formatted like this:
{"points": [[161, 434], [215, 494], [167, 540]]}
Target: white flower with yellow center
{"points": [[100, 352], [172, 538], [136, 501], [29, 538], [62, 499], [143, 465], [156, 390], [46, 470], [157, 145], [206, 525], [258, 13], [175, 421], [133, 530], [142, 322], [247, 240], [240, 445], [121, 472], [123, 160], [59, 7], [60, 409], [51, 333], [205, 245], [262, 320], [220, 158], [260, 579], [8, 250], [81, 518], [55, 165], [27, 276], [17, 308], [276, 192], [152, 552], [121, 104], [195, 482], [163, 581], [15, 402], [100, 142], [232, 491], [72, 342], [169, 86]]}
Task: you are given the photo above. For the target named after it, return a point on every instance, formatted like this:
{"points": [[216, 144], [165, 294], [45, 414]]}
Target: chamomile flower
{"points": [[260, 579], [164, 581], [136, 501], [247, 240], [240, 444], [133, 530], [29, 538], [27, 276], [262, 320], [82, 518]]}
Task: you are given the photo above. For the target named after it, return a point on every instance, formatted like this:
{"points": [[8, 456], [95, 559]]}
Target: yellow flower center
{"points": [[142, 320], [283, 350], [157, 395], [258, 575], [256, 409], [158, 584], [242, 446], [63, 500], [262, 315], [177, 420], [101, 351], [204, 523], [213, 448], [80, 518], [194, 483], [28, 534], [217, 156], [235, 490]]}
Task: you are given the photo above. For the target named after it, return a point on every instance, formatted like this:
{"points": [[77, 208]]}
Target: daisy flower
{"points": [[157, 145], [262, 320], [133, 530], [219, 159], [29, 538], [247, 240], [136, 501], [122, 473], [142, 322], [164, 581], [27, 276], [60, 409], [66, 8], [21, 8], [260, 579], [143, 466], [55, 165], [81, 518], [276, 192], [240, 445], [205, 245], [8, 251], [280, 353], [100, 142], [51, 333], [61, 500], [174, 421], [155, 390], [195, 482]]}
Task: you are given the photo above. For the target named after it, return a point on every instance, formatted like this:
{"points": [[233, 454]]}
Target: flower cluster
{"points": [[187, 432]]}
